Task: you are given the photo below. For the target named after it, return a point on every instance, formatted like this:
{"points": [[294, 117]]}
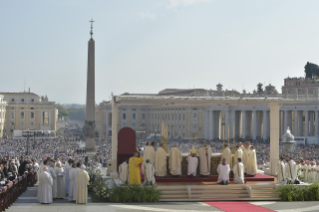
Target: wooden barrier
{"points": [[10, 192]]}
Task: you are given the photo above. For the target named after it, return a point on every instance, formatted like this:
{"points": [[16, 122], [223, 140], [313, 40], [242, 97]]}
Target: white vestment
{"points": [[149, 171], [54, 187], [175, 160], [82, 181], [66, 177], [123, 171], [60, 182], [76, 172], [238, 154], [192, 165], [72, 178], [223, 172], [238, 171], [252, 163], [149, 154], [281, 173], [291, 170], [205, 155], [45, 188], [227, 155], [160, 162], [245, 159]]}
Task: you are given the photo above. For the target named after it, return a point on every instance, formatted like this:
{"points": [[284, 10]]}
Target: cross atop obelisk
{"points": [[91, 27]]}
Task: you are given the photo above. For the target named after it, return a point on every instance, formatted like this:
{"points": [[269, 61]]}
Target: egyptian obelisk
{"points": [[90, 99]]}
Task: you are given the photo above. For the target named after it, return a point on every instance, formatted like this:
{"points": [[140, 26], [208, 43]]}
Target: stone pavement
{"points": [[27, 202]]}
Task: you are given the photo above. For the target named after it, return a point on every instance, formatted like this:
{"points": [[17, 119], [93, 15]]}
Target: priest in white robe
{"points": [[76, 172], [205, 154], [246, 153], [192, 161], [314, 172], [72, 178], [223, 172], [149, 173], [226, 153], [67, 168], [281, 173], [82, 181], [123, 172], [238, 171], [238, 154], [45, 187], [292, 172], [149, 153], [161, 161], [60, 180], [175, 161], [252, 162], [53, 175]]}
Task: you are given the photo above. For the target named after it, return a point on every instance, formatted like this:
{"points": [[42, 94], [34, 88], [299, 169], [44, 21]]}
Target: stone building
{"points": [[26, 110], [300, 85], [213, 120], [3, 105]]}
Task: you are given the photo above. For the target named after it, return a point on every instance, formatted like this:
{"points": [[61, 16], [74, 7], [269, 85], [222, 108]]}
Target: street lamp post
{"points": [[27, 134]]}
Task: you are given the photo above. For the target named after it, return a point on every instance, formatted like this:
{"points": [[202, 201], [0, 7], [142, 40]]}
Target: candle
{"points": [[228, 131], [234, 130], [223, 132]]}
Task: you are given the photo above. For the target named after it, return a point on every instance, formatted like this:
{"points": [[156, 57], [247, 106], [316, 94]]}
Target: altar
{"points": [[215, 160]]}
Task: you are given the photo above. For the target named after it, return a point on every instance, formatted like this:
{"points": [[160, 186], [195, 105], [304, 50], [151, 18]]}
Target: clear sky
{"points": [[144, 46]]}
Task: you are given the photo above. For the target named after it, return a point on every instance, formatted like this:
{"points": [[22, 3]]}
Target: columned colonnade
{"points": [[271, 126]]}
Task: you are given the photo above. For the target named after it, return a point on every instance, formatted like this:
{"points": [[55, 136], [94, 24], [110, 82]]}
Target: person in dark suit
{"points": [[5, 168], [1, 172]]}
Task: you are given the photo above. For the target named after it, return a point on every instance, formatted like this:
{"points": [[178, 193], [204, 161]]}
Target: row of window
{"points": [[134, 116], [22, 100], [22, 115]]}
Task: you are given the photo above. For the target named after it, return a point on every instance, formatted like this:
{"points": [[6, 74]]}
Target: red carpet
{"points": [[257, 177], [238, 207]]}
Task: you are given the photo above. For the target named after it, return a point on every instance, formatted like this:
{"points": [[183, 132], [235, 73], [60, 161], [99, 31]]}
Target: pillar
{"points": [[296, 124], [210, 125], [300, 123], [306, 123], [316, 123], [285, 121], [311, 124], [226, 124], [265, 124], [114, 173], [274, 136], [243, 124], [254, 133]]}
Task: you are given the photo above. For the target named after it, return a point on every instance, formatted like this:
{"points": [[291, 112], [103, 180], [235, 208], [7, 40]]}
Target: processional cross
{"points": [[91, 27]]}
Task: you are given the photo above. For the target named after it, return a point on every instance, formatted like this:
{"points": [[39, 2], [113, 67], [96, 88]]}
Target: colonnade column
{"points": [[274, 136], [226, 124], [114, 173], [285, 121], [306, 123], [254, 133], [311, 125], [300, 123], [316, 123], [210, 124], [243, 124], [265, 125], [296, 123]]}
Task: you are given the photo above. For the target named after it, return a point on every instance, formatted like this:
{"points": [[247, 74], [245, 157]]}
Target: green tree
{"points": [[62, 112], [311, 70], [77, 114]]}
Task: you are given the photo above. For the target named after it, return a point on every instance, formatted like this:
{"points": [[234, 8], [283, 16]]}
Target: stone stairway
{"points": [[218, 192]]}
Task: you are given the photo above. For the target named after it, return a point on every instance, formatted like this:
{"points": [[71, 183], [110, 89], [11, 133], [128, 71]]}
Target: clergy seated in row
{"points": [[45, 187], [226, 154], [160, 161], [238, 171], [205, 154], [281, 171], [223, 172], [82, 181], [123, 171], [175, 161], [149, 173], [134, 168], [251, 168], [149, 152], [192, 161]]}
